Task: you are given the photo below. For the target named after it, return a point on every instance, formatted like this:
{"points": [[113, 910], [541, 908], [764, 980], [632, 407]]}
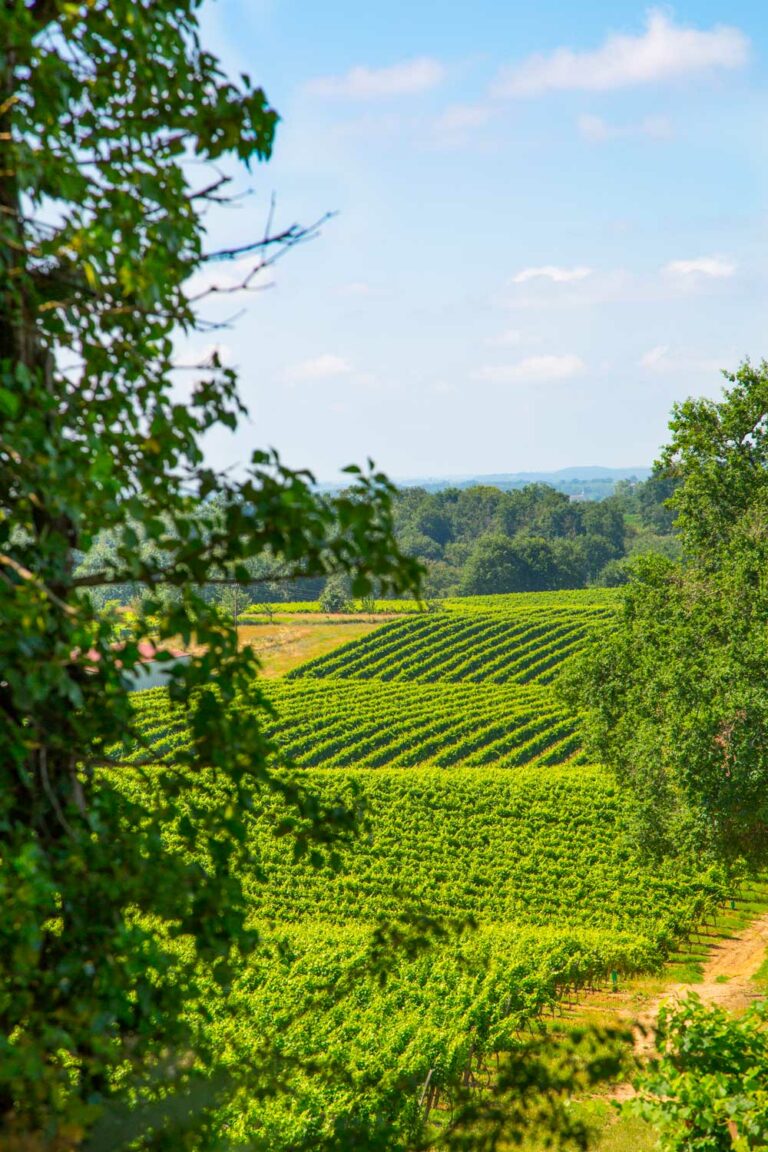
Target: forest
{"points": [[470, 541]]}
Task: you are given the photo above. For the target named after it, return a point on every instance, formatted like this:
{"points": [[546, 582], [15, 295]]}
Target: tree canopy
{"points": [[677, 699], [110, 927]]}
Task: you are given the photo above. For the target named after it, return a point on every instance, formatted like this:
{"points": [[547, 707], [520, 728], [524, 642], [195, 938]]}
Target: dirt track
{"points": [[728, 972]]}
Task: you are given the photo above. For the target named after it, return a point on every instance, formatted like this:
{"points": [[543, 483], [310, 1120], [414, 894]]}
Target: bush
{"points": [[336, 596]]}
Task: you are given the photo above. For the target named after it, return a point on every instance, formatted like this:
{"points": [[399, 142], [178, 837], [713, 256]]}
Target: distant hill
{"points": [[591, 481]]}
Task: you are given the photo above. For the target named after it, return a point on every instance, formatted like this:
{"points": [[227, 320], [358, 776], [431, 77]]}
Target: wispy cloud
{"points": [[324, 367], [357, 288], [664, 51], [655, 357], [551, 272], [534, 370], [597, 130], [666, 361], [714, 266], [407, 78], [508, 339], [463, 118]]}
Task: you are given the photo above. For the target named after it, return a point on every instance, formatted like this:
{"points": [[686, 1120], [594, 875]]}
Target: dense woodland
{"points": [[482, 540], [472, 541]]}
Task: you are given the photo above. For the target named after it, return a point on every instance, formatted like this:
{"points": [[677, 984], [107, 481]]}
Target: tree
{"points": [[494, 566], [676, 698], [233, 598], [336, 596], [653, 496], [106, 924], [614, 574]]}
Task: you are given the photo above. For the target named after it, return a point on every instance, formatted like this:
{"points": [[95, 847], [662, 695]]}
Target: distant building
{"points": [[578, 498], [152, 673], [149, 672]]}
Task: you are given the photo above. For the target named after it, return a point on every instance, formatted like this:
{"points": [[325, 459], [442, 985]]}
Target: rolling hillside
{"points": [[478, 819]]}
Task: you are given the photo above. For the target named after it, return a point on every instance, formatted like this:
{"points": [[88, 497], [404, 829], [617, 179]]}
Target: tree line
{"points": [[470, 541], [483, 540]]}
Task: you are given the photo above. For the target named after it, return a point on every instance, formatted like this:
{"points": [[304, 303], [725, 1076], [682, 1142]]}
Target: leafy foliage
{"points": [[709, 1087], [109, 933], [677, 696], [481, 540]]}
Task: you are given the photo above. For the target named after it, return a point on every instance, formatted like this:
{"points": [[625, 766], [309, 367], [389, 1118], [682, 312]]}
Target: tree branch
{"points": [[31, 578], [105, 580], [288, 238]]}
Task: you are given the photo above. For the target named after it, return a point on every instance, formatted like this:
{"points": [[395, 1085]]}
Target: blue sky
{"points": [[552, 223]]}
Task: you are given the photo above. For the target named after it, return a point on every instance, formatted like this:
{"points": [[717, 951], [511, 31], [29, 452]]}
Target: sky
{"points": [[551, 223]]}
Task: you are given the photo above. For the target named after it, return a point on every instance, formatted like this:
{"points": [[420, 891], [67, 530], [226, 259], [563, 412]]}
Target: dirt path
{"points": [[727, 983]]}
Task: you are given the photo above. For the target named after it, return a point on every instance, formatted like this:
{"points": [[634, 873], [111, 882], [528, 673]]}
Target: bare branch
{"points": [[209, 192], [288, 238]]}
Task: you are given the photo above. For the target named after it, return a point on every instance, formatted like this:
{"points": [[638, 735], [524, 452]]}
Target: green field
{"points": [[445, 730], [495, 639]]}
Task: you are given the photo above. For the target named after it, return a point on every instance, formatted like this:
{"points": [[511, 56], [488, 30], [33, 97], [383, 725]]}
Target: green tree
{"points": [[109, 929], [336, 596], [676, 699], [494, 566], [613, 574], [234, 599]]}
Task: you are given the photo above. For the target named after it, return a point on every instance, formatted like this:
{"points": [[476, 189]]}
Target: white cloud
{"points": [[666, 361], [551, 272], [361, 83], [597, 130], [655, 357], [323, 367], [509, 339], [664, 51], [462, 118], [714, 266], [534, 369]]}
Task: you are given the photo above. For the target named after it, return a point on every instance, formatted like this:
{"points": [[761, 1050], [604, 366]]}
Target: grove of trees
{"points": [[482, 540]]}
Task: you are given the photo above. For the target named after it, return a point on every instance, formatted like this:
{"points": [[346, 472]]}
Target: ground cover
{"points": [[291, 640], [340, 724], [723, 961]]}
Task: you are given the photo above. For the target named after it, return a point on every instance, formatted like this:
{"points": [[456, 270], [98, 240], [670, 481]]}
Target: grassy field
{"points": [[292, 640]]}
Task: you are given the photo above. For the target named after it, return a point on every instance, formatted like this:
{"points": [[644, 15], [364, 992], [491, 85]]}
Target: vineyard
{"points": [[338, 724], [499, 644], [445, 731]]}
